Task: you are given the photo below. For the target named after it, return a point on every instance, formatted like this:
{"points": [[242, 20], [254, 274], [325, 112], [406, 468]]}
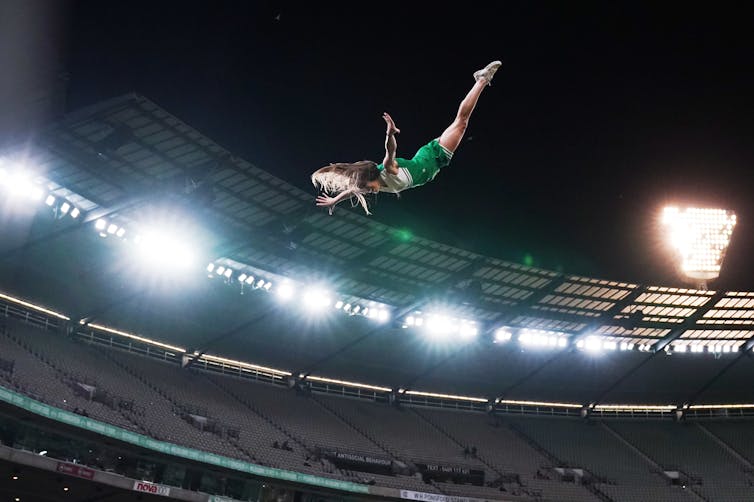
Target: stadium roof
{"points": [[127, 160]]}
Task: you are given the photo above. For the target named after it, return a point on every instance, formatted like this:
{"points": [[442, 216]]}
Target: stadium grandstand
{"points": [[175, 321]]}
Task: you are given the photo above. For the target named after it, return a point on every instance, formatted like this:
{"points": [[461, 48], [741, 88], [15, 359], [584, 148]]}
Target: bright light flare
{"points": [[700, 237], [503, 335], [285, 291], [440, 326], [316, 299], [444, 327], [18, 185], [164, 251], [535, 338]]}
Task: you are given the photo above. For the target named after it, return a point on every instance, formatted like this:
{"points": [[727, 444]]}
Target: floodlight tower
{"points": [[700, 238]]}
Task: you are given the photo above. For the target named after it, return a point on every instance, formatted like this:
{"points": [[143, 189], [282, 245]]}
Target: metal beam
{"points": [[558, 355], [610, 313], [622, 378], [692, 398], [236, 329], [408, 385], [690, 321], [312, 366]]}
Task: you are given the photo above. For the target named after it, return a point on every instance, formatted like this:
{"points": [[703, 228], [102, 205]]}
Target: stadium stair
{"points": [[480, 456], [693, 490], [250, 406], [353, 426], [604, 497], [727, 447]]}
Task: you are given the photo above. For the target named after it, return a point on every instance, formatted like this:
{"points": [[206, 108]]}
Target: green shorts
{"points": [[426, 162]]}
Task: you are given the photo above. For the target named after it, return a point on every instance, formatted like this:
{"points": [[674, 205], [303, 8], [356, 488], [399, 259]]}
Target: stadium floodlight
{"points": [[75, 213], [50, 200], [316, 299], [534, 337], [242, 277], [339, 304], [166, 252], [65, 207], [383, 315], [18, 185], [502, 335], [250, 280], [120, 233], [210, 267], [100, 224], [700, 238], [593, 344], [441, 326]]}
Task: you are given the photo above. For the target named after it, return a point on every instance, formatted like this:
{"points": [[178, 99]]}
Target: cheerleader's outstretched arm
{"points": [[390, 145]]}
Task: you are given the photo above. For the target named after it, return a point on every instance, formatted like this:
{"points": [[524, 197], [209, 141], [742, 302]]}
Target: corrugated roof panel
{"points": [[735, 302], [91, 129], [548, 324], [178, 151], [568, 311], [639, 333], [142, 125], [717, 334], [602, 282], [728, 314]]}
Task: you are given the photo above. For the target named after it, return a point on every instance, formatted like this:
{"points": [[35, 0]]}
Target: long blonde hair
{"points": [[343, 176]]}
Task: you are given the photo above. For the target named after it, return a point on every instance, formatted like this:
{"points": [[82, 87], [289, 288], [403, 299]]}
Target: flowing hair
{"points": [[343, 176]]}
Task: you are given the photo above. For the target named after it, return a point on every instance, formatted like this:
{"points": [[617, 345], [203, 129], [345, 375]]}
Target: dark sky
{"points": [[601, 113]]}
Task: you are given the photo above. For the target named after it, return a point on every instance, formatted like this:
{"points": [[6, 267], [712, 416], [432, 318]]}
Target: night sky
{"points": [[601, 113]]}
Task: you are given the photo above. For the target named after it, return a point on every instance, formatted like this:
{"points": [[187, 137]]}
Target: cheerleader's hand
{"points": [[391, 127], [326, 201]]}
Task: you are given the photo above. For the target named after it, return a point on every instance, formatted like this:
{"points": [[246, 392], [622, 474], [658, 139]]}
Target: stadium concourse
{"points": [[175, 315]]}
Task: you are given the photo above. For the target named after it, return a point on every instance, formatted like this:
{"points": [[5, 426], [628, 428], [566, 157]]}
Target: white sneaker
{"points": [[487, 72]]}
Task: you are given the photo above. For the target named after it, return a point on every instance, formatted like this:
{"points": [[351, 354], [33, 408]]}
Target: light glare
{"points": [[285, 291], [700, 237], [163, 251]]}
